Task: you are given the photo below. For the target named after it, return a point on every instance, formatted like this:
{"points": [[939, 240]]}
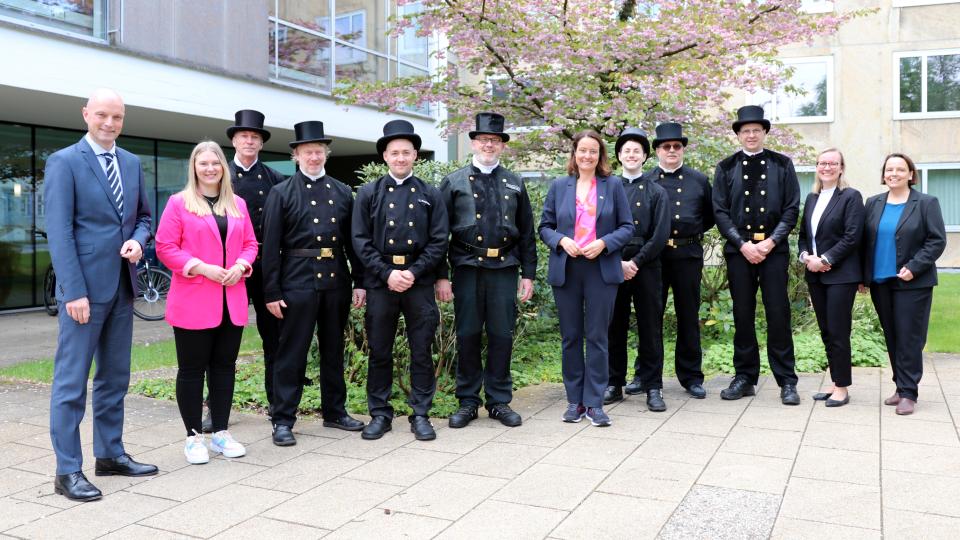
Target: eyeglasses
{"points": [[828, 164], [752, 131], [482, 141], [671, 147]]}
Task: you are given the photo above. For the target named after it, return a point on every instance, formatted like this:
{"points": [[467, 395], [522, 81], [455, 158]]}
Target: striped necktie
{"points": [[113, 176]]}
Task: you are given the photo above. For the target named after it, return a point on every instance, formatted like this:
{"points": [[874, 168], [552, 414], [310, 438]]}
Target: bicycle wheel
{"points": [[153, 284], [50, 292]]}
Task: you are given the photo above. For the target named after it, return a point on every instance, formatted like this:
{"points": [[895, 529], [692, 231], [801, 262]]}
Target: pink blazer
{"points": [[184, 240]]}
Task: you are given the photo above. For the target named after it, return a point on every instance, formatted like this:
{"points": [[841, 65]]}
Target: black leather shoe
{"points": [[505, 415], [345, 422], [822, 396], [789, 395], [422, 428], [697, 391], [655, 400], [283, 435], [612, 394], [123, 466], [75, 487], [838, 402], [206, 425], [635, 386], [739, 387], [377, 426], [463, 416]]}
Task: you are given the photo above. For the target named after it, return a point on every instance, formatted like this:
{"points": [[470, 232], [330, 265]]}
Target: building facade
{"points": [[184, 67]]}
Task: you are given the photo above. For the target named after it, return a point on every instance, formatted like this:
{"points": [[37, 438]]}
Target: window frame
{"points": [[826, 59], [105, 21], [923, 168], [923, 55], [917, 3]]}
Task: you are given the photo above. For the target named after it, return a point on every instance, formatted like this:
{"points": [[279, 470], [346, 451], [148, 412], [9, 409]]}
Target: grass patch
{"points": [[945, 315]]}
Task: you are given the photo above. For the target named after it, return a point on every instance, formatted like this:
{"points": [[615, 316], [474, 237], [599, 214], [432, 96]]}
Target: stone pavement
{"points": [[704, 469]]}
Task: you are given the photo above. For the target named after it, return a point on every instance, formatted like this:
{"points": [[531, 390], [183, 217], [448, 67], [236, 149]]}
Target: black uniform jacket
{"points": [[409, 220], [651, 224], [690, 208], [253, 186], [921, 238], [756, 195], [838, 236], [489, 211], [305, 214]]}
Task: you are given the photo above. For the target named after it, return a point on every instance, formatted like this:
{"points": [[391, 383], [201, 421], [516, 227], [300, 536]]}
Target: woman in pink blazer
{"points": [[206, 239]]}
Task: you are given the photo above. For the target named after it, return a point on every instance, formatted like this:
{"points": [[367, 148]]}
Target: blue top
{"points": [[885, 251]]}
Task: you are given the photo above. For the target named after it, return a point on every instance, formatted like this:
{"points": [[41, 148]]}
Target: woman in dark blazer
{"points": [[585, 221], [904, 234], [829, 244]]}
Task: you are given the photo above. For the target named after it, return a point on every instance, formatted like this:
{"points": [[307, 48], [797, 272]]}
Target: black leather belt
{"points": [[320, 253], [678, 242], [485, 251]]}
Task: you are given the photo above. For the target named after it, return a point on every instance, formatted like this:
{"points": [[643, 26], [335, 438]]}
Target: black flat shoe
{"points": [[655, 400], [464, 415], [505, 415], [739, 387], [123, 466], [822, 396], [635, 387], [837, 402], [422, 428], [612, 394], [377, 426], [789, 395], [283, 435], [76, 487], [345, 422], [697, 391]]}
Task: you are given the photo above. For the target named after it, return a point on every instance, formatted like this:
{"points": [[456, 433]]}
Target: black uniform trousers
{"points": [[268, 326], [643, 292], [904, 316], [771, 277], [420, 313], [326, 312], [833, 304], [683, 276], [484, 297]]}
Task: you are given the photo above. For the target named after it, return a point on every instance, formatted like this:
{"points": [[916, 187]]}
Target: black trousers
{"points": [[770, 276], [419, 309], [904, 315], [268, 326], [833, 305], [213, 351], [643, 293], [307, 311], [484, 298], [684, 276]]}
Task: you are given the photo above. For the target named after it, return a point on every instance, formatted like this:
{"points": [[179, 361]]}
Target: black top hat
{"points": [[669, 131], [397, 129], [248, 120], [309, 131], [751, 114], [489, 123], [632, 134]]}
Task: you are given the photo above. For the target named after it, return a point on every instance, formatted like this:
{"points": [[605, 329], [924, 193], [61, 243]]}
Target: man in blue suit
{"points": [[98, 222]]}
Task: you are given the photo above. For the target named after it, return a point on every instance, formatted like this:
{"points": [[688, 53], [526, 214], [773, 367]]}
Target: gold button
{"points": [[681, 177], [747, 192], [762, 162], [410, 205], [506, 218], [638, 203], [319, 258], [479, 239], [259, 176], [316, 220], [745, 177], [319, 238], [661, 176], [391, 223], [480, 259], [748, 227], [504, 238], [390, 241], [319, 275], [390, 189], [410, 242], [475, 196], [333, 238], [330, 201], [504, 180], [391, 205], [503, 258], [333, 220], [763, 192], [676, 231], [762, 209], [641, 187], [478, 216], [679, 190], [413, 190], [678, 203], [260, 192], [635, 222], [328, 185], [761, 227], [763, 177], [333, 274], [506, 197], [471, 178], [676, 216], [747, 209], [410, 223], [309, 186], [313, 203], [744, 162]]}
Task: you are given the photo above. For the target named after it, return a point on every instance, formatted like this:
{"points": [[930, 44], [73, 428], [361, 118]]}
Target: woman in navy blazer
{"points": [[904, 234], [829, 245], [586, 221]]}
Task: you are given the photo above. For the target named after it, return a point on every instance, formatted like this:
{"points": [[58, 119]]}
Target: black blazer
{"points": [[838, 236], [921, 238]]}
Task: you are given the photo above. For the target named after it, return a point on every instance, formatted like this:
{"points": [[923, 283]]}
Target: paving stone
{"points": [[14, 480], [92, 520], [160, 434], [21, 432], [904, 524], [591, 453], [25, 414], [501, 460], [167, 458], [47, 464], [921, 458], [842, 436], [140, 532], [928, 411], [681, 447], [608, 516], [314, 428], [355, 447], [698, 423], [331, 505], [637, 406], [929, 493], [832, 502], [625, 428], [762, 442], [191, 482], [302, 473], [907, 429], [382, 526], [779, 417], [865, 415], [444, 495], [258, 528], [651, 479], [402, 467], [12, 454], [498, 519], [267, 454], [748, 473], [720, 513], [713, 404], [551, 486], [458, 441], [537, 432], [791, 528], [216, 511], [14, 513], [838, 465]]}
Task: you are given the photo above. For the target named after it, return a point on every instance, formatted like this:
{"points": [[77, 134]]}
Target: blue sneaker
{"points": [[598, 417], [574, 413]]}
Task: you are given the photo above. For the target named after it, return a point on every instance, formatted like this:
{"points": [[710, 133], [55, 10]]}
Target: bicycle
{"points": [[49, 284], [153, 285]]}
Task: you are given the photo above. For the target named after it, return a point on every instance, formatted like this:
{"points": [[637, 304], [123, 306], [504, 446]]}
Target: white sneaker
{"points": [[225, 444], [195, 450]]}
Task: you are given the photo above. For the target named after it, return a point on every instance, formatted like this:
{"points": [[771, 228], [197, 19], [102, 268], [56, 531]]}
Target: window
{"points": [[942, 180], [350, 27], [817, 6], [805, 97], [83, 18], [805, 174], [928, 84]]}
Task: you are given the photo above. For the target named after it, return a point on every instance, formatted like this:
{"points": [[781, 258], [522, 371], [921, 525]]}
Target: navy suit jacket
{"points": [[614, 225], [84, 228], [921, 238]]}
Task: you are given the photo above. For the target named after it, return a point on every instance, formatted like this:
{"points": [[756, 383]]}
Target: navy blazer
{"points": [[614, 225], [838, 236], [84, 228], [921, 238]]}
